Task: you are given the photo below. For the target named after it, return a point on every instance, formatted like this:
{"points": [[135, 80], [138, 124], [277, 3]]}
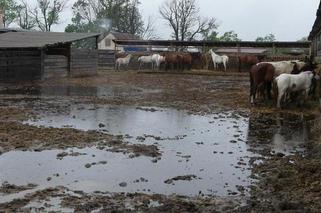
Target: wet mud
{"points": [[155, 143]]}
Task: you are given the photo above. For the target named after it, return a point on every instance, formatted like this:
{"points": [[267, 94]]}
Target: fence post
{"points": [[238, 55]]}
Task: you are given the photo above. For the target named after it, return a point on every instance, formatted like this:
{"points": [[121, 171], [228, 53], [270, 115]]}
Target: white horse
{"points": [[123, 61], [286, 66], [285, 83], [157, 60], [145, 60], [217, 59]]}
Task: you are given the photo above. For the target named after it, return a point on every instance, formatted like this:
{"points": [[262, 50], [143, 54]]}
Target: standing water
{"points": [[200, 154]]}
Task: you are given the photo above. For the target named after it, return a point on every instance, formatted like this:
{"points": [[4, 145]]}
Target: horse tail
{"points": [[251, 85], [275, 90]]}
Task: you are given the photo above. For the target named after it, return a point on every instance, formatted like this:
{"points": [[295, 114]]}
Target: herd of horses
{"points": [[174, 60], [287, 80]]}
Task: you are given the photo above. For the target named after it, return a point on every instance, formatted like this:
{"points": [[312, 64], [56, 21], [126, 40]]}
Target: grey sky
{"points": [[287, 19]]}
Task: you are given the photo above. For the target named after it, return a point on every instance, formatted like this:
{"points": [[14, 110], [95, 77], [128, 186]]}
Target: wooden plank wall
{"points": [[106, 60], [55, 66], [20, 64], [83, 62]]}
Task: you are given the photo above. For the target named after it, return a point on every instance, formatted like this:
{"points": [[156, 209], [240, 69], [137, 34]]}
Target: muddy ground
{"points": [[290, 183]]}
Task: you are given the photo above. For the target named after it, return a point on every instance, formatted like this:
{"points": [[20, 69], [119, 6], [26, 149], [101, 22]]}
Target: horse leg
{"points": [[251, 89], [268, 90], [281, 93]]}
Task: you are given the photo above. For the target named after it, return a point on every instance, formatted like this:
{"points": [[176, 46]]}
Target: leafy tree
{"points": [[268, 38], [47, 12], [183, 16], [227, 36], [9, 7], [93, 15], [23, 16]]}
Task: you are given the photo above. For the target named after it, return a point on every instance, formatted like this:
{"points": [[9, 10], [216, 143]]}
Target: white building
{"points": [[105, 42]]}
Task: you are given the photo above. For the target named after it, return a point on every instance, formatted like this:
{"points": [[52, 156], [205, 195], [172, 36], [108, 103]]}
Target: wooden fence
{"points": [[106, 60], [20, 64], [55, 66], [83, 62]]}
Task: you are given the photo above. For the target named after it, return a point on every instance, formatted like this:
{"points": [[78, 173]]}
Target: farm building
{"points": [[105, 41], [39, 55], [315, 36]]}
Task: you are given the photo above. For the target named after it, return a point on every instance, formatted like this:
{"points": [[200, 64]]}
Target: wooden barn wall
{"points": [[55, 66], [106, 60], [20, 64], [83, 62]]}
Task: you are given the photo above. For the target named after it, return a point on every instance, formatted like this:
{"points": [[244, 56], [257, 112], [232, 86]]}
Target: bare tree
{"points": [[47, 12], [184, 19], [149, 31], [24, 18]]}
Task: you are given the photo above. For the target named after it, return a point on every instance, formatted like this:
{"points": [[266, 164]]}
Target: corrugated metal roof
{"points": [[229, 44], [242, 50], [39, 39], [124, 36]]}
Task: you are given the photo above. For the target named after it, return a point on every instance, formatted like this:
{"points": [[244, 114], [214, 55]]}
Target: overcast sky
{"points": [[288, 20]]}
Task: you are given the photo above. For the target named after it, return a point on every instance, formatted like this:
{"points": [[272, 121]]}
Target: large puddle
{"points": [[98, 91], [214, 151]]}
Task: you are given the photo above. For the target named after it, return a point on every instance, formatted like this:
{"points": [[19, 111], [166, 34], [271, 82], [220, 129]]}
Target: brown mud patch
{"points": [[41, 138], [7, 188], [180, 178], [79, 201]]}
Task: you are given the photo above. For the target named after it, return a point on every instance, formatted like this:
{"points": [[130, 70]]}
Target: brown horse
{"points": [[178, 61], [261, 77], [172, 60], [186, 61], [247, 59]]}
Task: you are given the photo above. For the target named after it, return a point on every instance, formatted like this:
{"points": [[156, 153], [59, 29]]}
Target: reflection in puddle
{"points": [[98, 91], [215, 148], [279, 133]]}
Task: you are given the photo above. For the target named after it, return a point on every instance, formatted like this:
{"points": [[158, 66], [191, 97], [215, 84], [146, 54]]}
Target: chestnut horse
{"points": [[247, 59], [186, 61], [261, 78], [172, 60], [178, 61]]}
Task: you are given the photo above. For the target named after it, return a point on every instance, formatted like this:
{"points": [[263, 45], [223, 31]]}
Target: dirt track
{"points": [[283, 182]]}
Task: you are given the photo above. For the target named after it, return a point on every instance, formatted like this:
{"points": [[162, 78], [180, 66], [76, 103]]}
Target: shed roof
{"points": [[40, 39], [317, 24], [243, 50], [285, 44], [124, 36]]}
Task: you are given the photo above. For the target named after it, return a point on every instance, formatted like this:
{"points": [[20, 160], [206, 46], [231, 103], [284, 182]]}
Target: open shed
{"points": [[40, 55]]}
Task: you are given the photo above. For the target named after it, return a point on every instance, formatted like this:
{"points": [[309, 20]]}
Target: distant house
{"points": [[315, 36], [105, 42]]}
